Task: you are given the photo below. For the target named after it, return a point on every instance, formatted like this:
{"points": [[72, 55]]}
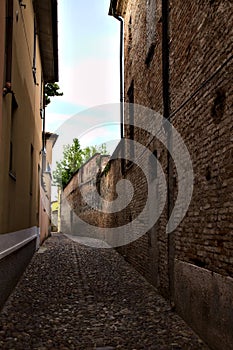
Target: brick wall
{"points": [[73, 202], [205, 123], [200, 44], [200, 59]]}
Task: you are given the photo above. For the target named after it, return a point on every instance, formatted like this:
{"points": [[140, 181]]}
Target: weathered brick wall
{"points": [[73, 203], [200, 42], [194, 265], [143, 66], [205, 123]]}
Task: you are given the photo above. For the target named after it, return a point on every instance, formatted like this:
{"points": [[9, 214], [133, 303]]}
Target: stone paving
{"points": [[74, 297]]}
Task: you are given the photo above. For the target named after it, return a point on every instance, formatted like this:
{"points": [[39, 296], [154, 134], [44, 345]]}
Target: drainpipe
{"points": [[166, 111], [112, 13], [43, 132], [121, 74], [43, 151]]}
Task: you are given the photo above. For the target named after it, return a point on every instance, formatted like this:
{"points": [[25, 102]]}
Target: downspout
{"points": [[121, 74], [43, 151], [43, 131], [112, 13], [168, 128]]}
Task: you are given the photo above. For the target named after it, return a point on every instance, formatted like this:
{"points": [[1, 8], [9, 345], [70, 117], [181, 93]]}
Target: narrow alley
{"points": [[75, 297]]}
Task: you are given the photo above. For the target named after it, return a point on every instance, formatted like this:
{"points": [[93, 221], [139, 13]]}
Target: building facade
{"points": [[78, 193], [45, 221], [28, 59], [178, 62]]}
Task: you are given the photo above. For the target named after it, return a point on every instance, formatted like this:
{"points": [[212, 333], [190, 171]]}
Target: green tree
{"points": [[89, 151], [51, 90], [73, 158]]}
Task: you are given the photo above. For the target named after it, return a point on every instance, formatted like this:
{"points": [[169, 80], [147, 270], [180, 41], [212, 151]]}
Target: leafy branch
{"points": [[51, 90]]}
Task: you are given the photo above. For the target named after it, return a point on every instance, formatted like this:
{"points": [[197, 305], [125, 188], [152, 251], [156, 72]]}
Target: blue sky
{"points": [[88, 60]]}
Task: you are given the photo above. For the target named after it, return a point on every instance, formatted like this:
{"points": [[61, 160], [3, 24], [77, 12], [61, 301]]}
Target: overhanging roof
{"points": [[117, 7], [46, 16], [51, 136]]}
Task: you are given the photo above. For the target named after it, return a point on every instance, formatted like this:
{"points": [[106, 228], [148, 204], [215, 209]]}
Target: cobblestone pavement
{"points": [[76, 297]]}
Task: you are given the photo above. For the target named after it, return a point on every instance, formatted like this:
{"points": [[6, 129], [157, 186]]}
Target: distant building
{"points": [[54, 216], [28, 59], [45, 186], [83, 183], [56, 212]]}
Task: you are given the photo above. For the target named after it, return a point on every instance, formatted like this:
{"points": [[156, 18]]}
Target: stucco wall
{"points": [[19, 199], [20, 137]]}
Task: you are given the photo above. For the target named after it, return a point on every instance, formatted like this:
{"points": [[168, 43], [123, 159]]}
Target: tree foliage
{"points": [[73, 158], [51, 90]]}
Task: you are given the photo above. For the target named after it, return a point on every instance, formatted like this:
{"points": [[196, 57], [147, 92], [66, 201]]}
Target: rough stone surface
{"points": [[75, 297]]}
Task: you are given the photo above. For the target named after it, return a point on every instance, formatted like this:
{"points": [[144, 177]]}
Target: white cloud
{"points": [[54, 121], [103, 134], [91, 82]]}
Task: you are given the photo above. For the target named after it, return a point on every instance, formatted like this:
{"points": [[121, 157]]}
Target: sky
{"points": [[88, 66]]}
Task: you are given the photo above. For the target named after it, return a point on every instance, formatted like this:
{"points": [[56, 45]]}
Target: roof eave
{"points": [[117, 8], [46, 16]]}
